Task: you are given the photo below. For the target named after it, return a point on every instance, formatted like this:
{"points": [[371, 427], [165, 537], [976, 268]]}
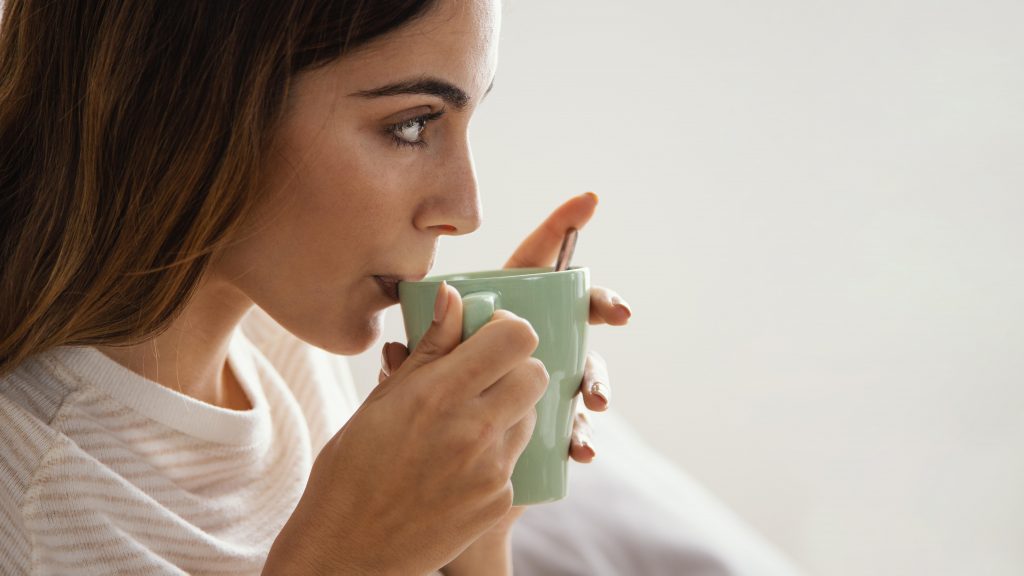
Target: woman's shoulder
{"points": [[31, 396]]}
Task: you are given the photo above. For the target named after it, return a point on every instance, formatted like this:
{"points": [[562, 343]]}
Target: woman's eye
{"points": [[410, 132]]}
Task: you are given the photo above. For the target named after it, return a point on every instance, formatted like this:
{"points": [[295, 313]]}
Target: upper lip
{"points": [[414, 276], [403, 277]]}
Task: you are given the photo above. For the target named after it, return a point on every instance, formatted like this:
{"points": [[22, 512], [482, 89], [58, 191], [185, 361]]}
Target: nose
{"points": [[453, 205]]}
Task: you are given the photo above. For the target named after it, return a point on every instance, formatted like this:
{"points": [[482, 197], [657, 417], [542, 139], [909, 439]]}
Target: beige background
{"points": [[815, 210]]}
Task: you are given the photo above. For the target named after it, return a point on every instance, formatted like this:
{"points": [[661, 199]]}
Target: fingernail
{"points": [[596, 199], [384, 364], [621, 305], [585, 445], [597, 389], [441, 302]]}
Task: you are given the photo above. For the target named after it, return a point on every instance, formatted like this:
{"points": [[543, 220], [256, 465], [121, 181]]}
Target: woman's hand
{"points": [[606, 307], [491, 552], [422, 469]]}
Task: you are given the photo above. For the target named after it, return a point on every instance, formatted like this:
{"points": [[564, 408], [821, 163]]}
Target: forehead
{"points": [[456, 40]]}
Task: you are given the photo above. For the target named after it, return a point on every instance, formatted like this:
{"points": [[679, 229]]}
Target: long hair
{"points": [[131, 133]]}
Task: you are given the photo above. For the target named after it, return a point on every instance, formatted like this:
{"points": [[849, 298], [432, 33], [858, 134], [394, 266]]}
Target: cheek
{"points": [[338, 309], [330, 205], [352, 189], [308, 258]]}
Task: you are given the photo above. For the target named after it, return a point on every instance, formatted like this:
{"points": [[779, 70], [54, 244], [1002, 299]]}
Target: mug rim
{"points": [[537, 271]]}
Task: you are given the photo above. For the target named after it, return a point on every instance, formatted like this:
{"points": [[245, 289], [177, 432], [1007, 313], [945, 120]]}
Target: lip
{"points": [[389, 284]]}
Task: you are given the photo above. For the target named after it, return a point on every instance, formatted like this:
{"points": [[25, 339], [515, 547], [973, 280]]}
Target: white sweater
{"points": [[103, 471]]}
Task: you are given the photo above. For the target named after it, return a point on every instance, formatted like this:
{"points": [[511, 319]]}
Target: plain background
{"points": [[814, 210]]}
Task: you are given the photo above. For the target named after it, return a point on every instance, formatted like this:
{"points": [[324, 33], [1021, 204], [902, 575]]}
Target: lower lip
{"points": [[390, 289]]}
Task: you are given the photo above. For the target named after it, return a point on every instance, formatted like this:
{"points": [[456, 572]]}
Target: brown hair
{"points": [[130, 136]]}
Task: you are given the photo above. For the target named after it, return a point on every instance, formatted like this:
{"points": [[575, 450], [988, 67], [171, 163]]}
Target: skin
{"points": [[344, 203]]}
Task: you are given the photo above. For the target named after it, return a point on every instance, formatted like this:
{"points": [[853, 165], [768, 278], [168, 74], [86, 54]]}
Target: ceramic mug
{"points": [[557, 306]]}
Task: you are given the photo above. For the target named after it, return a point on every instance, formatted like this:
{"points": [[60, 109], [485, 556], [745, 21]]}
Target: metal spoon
{"points": [[568, 247]]}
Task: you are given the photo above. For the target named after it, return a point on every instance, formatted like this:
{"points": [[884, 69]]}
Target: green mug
{"points": [[557, 305]]}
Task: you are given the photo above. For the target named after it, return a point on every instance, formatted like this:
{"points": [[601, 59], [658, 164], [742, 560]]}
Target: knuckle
{"points": [[485, 432], [529, 335], [503, 315], [537, 369], [475, 436], [527, 424], [502, 503], [496, 475], [504, 467], [475, 439], [519, 435], [538, 375], [518, 332], [428, 348]]}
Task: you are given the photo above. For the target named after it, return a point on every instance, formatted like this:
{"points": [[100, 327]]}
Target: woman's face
{"points": [[370, 166]]}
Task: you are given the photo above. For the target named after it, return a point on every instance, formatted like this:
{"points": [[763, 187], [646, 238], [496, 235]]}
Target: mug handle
{"points": [[477, 309]]}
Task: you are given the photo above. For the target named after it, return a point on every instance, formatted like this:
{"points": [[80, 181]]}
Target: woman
{"points": [[168, 167]]}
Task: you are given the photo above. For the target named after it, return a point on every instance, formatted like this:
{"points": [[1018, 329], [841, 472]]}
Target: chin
{"points": [[356, 336]]}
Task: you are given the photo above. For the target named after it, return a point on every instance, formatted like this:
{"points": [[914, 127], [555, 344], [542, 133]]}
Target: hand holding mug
{"points": [[606, 307]]}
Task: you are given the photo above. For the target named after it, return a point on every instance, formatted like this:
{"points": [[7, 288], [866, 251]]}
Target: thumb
{"points": [[444, 333]]}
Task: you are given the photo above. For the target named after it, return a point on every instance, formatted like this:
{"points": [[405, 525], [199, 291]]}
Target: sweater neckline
{"points": [[86, 366]]}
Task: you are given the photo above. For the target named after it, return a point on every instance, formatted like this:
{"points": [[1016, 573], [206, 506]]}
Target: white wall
{"points": [[814, 210]]}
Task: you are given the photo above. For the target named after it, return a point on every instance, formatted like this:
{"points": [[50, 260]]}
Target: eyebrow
{"points": [[450, 93]]}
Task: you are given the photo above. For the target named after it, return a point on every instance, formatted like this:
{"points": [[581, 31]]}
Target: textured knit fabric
{"points": [[103, 471]]}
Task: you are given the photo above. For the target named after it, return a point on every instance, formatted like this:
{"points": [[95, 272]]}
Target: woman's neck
{"points": [[191, 356]]}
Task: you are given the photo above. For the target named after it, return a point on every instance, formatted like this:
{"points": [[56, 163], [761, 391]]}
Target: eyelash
{"points": [[423, 120]]}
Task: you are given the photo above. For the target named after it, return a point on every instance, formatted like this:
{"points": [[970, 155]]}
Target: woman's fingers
{"points": [[392, 355], [541, 247], [581, 449], [607, 307], [595, 390], [594, 386]]}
